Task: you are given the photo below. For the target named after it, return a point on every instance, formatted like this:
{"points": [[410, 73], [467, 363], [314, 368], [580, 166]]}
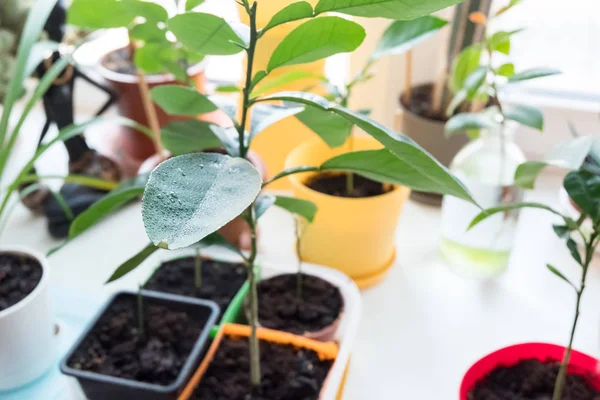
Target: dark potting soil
{"points": [[114, 347], [19, 276], [280, 308], [287, 373], [421, 103], [220, 280], [335, 185], [531, 380], [120, 61]]}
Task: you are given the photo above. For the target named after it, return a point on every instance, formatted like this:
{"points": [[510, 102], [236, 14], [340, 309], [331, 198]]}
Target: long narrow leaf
{"points": [[485, 214], [132, 263]]}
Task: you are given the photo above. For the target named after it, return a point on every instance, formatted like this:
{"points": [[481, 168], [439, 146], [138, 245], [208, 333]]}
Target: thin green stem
{"points": [[198, 269], [248, 86]]}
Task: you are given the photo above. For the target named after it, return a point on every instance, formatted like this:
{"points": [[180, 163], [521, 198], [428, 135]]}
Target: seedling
{"points": [[198, 269]]}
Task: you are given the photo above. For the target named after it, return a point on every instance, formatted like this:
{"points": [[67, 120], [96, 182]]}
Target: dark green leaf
{"points": [[303, 208], [392, 9], [533, 73], [181, 100], [574, 251], [559, 274], [292, 12], [317, 39], [262, 204], [495, 210], [192, 136], [526, 115], [205, 33], [331, 127], [507, 70], [404, 35], [467, 121], [562, 231], [132, 263], [584, 189], [191, 196], [464, 65], [265, 115], [292, 171], [100, 14], [191, 4], [259, 76]]}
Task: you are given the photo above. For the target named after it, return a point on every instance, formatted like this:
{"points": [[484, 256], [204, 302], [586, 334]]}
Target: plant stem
{"points": [[140, 314], [247, 88], [562, 372], [198, 269], [344, 103]]}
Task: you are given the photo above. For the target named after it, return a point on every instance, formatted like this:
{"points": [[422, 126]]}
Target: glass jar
{"points": [[487, 167]]}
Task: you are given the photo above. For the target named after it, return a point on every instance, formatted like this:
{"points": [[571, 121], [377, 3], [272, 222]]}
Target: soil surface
{"points": [[115, 347], [120, 61], [19, 276], [280, 308], [530, 380], [420, 103], [220, 280], [335, 185], [287, 373]]}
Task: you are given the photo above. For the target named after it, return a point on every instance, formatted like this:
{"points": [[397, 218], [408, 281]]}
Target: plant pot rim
{"points": [[299, 183], [329, 330], [188, 366], [479, 369], [41, 259], [327, 350], [151, 79]]}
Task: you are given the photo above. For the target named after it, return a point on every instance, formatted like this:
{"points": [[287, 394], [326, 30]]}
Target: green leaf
{"points": [[500, 41], [304, 208], [464, 65], [132, 263], [392, 9], [526, 115], [331, 127], [317, 39], [401, 36], [227, 89], [507, 7], [191, 196], [181, 100], [258, 77], [205, 33], [292, 171], [574, 251], [265, 115], [102, 208], [229, 138], [559, 274], [570, 155], [474, 81], [183, 137], [458, 99], [467, 121], [100, 14], [148, 58], [225, 104], [400, 145], [262, 204], [148, 31], [215, 239], [583, 188], [151, 12], [285, 78], [485, 214], [506, 70], [292, 12], [533, 73], [562, 231], [191, 4]]}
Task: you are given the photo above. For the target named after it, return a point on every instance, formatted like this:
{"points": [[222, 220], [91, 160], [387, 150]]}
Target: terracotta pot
{"points": [[327, 351], [131, 147], [353, 235], [429, 134], [579, 363], [237, 231]]}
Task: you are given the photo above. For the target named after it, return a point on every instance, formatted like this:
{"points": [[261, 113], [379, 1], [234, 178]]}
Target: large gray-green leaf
{"points": [[265, 115], [262, 204], [193, 136], [464, 65], [100, 14], [331, 127], [533, 73], [583, 188], [317, 39], [485, 214], [424, 165], [205, 33], [568, 155], [191, 196], [181, 100], [401, 36], [474, 81], [292, 12], [526, 115], [393, 9]]}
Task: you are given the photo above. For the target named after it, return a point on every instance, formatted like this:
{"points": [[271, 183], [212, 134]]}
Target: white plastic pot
{"points": [[27, 340]]}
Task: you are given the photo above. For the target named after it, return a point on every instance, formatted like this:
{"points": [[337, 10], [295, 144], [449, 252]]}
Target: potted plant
{"points": [[26, 353], [537, 369], [356, 213], [191, 196], [149, 60]]}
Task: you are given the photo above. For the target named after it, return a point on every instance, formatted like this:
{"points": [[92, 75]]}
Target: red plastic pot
{"points": [[580, 363]]}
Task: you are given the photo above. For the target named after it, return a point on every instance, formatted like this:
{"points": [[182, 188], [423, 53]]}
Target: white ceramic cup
{"points": [[27, 340]]}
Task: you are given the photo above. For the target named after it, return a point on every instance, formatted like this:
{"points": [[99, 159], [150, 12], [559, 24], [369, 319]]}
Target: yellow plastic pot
{"points": [[355, 236], [275, 142]]}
